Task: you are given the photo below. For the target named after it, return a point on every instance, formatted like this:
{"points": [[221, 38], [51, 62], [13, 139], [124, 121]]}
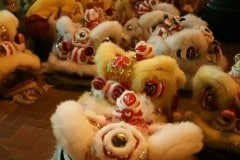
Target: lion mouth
{"points": [[228, 121]]}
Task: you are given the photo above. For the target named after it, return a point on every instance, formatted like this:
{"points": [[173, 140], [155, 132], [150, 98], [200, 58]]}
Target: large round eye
{"points": [[129, 28], [154, 89], [192, 53], [153, 2], [119, 140], [135, 4], [209, 99], [109, 11], [179, 53], [82, 34]]}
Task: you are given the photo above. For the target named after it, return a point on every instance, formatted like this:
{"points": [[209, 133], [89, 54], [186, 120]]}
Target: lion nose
{"points": [[229, 116]]}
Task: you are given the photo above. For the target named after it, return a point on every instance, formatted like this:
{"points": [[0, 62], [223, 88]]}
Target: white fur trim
{"points": [[192, 20], [70, 124], [65, 27], [147, 107], [178, 140], [98, 105], [54, 64], [106, 29]]}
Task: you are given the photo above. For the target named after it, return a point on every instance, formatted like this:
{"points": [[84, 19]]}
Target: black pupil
{"points": [[210, 99], [82, 34], [129, 28], [192, 53], [150, 89], [153, 2], [119, 140]]}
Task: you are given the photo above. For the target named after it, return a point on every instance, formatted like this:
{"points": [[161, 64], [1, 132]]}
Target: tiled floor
{"points": [[25, 131]]}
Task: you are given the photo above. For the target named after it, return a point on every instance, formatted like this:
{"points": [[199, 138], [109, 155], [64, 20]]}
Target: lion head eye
{"points": [[82, 34], [152, 2], [209, 99], [129, 28], [192, 53], [154, 89], [179, 53]]}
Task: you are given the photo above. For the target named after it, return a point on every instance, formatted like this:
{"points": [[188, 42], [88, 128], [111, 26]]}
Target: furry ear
{"points": [[152, 19], [166, 144], [191, 20], [167, 7], [161, 63], [107, 29], [10, 21], [65, 26], [69, 124]]}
